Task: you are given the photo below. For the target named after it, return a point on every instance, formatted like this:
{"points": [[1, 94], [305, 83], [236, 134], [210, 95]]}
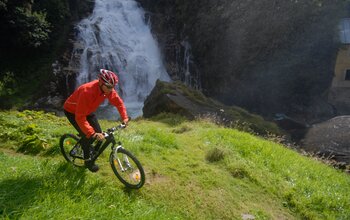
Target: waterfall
{"points": [[186, 70], [116, 37]]}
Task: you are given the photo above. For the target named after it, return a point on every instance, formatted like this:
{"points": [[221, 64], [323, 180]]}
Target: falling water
{"points": [[116, 37], [187, 71]]}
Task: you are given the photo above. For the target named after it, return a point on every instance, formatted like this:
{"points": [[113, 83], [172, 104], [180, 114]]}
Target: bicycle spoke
{"points": [[127, 168], [71, 149]]}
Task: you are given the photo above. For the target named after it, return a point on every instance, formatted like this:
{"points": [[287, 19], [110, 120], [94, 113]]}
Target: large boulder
{"points": [[330, 139], [177, 98]]}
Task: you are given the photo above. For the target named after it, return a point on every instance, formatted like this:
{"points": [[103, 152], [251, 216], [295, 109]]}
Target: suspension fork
{"points": [[116, 148], [116, 158]]}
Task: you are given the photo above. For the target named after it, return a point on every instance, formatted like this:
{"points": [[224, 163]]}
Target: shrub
{"points": [[33, 145], [30, 129], [8, 84], [32, 27]]}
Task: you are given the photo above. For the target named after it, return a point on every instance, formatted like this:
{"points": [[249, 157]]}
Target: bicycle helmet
{"points": [[108, 78]]}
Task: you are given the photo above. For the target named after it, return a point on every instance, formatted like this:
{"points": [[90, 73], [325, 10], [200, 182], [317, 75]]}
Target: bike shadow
{"points": [[133, 194], [74, 177], [17, 194]]}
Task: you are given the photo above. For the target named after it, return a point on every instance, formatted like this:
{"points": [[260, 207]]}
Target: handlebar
{"points": [[112, 130]]}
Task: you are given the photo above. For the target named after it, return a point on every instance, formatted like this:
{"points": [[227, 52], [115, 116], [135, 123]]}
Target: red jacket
{"points": [[86, 100]]}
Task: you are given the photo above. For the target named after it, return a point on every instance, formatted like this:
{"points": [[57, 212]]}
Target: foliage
{"points": [[29, 24], [32, 144], [57, 12], [3, 5], [33, 35], [32, 27], [26, 132], [8, 84]]}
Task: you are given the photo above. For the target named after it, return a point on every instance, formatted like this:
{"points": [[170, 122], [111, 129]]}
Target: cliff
{"points": [[266, 56]]}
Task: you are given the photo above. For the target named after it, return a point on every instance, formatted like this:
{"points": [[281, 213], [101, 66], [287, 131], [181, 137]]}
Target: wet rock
{"points": [[330, 139]]}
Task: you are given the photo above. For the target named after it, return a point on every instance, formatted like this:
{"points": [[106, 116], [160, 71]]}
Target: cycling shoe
{"points": [[91, 166]]}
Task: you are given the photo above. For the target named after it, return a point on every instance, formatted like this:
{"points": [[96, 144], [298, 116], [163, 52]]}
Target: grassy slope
{"points": [[195, 170]]}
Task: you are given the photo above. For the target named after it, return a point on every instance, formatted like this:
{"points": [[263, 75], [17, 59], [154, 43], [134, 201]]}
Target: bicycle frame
{"points": [[109, 139]]}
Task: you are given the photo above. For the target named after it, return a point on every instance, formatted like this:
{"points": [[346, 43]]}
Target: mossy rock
{"points": [[177, 98]]}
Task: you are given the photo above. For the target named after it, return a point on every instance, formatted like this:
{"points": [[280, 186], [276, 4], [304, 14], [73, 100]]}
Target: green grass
{"points": [[33, 188], [194, 170]]}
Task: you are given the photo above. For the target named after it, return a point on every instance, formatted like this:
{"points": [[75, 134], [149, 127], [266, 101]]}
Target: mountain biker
{"points": [[80, 106]]}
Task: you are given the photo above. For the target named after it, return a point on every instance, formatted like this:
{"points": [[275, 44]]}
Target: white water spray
{"points": [[116, 37]]}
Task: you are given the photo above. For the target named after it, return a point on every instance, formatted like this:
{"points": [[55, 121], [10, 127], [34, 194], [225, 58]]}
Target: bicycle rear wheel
{"points": [[72, 150], [127, 168]]}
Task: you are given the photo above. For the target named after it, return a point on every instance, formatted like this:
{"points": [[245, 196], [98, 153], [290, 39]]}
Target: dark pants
{"points": [[85, 142]]}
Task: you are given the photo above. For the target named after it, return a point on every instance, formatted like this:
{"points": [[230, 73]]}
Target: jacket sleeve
{"points": [[81, 113], [115, 100]]}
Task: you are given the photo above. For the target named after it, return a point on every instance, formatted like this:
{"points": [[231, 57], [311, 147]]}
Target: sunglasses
{"points": [[109, 86]]}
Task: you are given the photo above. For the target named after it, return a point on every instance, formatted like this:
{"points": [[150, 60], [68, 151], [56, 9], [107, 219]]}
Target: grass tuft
{"points": [[215, 155], [182, 129]]}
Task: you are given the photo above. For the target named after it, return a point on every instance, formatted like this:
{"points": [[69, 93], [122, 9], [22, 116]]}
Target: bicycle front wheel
{"points": [[72, 150], [127, 168]]}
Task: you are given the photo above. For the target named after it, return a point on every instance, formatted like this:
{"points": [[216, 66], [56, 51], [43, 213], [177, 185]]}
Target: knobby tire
{"points": [[116, 169]]}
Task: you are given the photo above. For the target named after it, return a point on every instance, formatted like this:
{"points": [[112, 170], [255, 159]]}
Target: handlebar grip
{"points": [[111, 130], [122, 125]]}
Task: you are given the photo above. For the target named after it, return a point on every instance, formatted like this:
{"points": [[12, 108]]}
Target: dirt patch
{"points": [[152, 177]]}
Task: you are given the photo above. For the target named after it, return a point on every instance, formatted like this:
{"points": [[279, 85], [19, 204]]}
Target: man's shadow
{"points": [[20, 193]]}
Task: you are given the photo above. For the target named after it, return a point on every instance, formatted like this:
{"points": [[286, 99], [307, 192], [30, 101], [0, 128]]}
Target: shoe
{"points": [[91, 166]]}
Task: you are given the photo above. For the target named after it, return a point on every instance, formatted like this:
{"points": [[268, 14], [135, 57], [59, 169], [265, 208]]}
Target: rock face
{"points": [[179, 99], [63, 78], [330, 138], [340, 98], [266, 56]]}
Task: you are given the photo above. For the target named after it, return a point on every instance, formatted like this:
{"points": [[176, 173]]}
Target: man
{"points": [[81, 105]]}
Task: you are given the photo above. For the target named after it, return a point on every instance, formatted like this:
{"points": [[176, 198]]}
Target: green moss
{"points": [[169, 118], [248, 122], [235, 117]]}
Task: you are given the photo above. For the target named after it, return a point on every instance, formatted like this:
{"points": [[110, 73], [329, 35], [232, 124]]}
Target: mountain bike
{"points": [[124, 164]]}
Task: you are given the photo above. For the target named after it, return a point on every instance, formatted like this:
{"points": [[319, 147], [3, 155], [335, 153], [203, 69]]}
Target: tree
{"points": [[21, 26], [33, 29]]}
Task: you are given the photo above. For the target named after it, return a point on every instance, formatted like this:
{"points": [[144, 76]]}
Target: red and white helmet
{"points": [[108, 78]]}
